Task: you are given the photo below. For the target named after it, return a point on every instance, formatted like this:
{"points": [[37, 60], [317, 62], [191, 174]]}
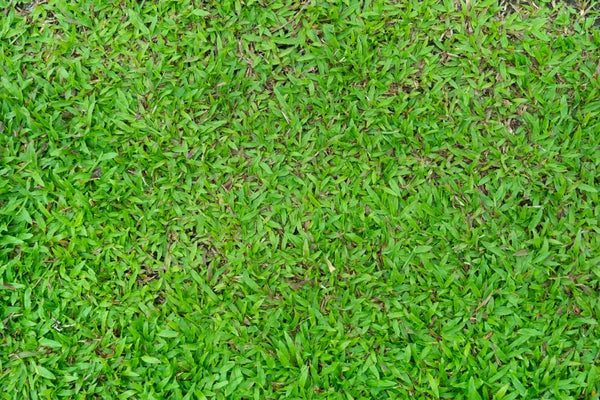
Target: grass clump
{"points": [[299, 200]]}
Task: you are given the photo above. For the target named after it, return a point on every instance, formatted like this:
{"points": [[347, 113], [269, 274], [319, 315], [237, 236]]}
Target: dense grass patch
{"points": [[268, 200]]}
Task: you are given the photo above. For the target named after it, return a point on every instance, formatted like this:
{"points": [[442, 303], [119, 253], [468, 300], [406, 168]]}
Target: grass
{"points": [[268, 200]]}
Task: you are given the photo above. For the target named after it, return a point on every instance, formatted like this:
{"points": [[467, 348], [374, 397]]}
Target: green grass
{"points": [[269, 200]]}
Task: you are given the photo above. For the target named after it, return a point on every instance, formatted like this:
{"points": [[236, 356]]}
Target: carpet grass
{"points": [[316, 199]]}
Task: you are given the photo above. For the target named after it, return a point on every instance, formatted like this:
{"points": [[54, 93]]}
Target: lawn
{"points": [[315, 199]]}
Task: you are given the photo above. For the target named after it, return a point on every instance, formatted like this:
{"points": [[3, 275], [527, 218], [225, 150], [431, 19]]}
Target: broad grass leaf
{"points": [[151, 360], [44, 372]]}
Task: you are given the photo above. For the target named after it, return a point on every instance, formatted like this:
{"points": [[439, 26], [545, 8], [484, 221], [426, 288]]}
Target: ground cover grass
{"points": [[265, 200]]}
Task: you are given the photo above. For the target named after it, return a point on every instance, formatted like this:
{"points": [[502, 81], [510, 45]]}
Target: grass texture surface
{"points": [[314, 199]]}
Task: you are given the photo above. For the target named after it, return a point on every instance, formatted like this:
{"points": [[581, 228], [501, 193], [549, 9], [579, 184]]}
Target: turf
{"points": [[269, 200]]}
